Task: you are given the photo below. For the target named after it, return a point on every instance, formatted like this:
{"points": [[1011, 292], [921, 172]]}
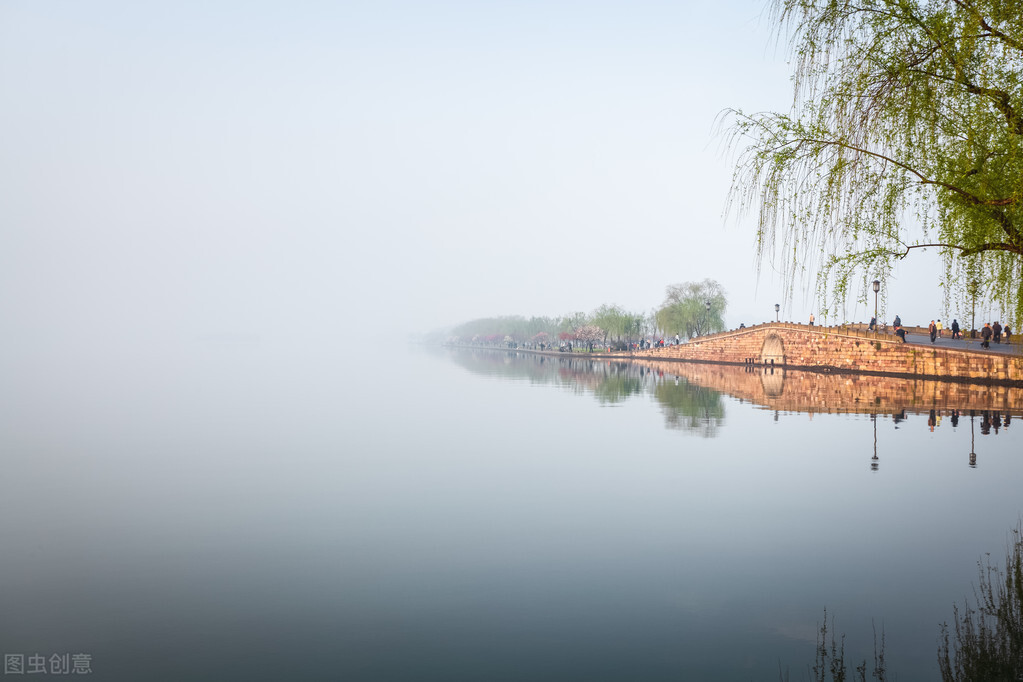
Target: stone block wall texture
{"points": [[842, 349]]}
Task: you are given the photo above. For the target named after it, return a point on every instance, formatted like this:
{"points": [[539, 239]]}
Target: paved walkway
{"points": [[946, 341]]}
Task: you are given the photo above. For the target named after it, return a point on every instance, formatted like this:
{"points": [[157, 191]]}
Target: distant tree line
{"points": [[689, 309]]}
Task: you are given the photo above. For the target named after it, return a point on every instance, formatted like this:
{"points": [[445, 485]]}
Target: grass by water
{"points": [[984, 643]]}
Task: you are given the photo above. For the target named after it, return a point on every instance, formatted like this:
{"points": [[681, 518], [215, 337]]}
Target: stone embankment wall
{"points": [[841, 349]]}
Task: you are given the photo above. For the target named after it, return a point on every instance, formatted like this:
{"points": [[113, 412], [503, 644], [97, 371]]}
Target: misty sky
{"points": [[188, 169]]}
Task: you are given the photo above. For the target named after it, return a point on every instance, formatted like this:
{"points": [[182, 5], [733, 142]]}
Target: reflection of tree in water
{"points": [[615, 388], [537, 369], [690, 407], [610, 382], [686, 406]]}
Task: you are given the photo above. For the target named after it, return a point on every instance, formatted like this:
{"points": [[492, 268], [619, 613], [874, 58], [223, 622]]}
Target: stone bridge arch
{"points": [[772, 350]]}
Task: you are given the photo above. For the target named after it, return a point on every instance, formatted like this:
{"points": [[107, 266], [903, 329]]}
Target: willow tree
{"points": [[906, 132], [616, 322], [692, 309]]}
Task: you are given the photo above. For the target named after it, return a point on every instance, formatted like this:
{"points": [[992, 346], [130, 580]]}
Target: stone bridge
{"points": [[840, 349]]}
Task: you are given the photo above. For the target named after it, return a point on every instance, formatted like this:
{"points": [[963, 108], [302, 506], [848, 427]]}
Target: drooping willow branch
{"points": [[924, 180], [966, 251]]}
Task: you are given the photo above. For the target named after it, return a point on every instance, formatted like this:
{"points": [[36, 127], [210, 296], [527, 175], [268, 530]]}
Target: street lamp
{"points": [[777, 315], [877, 288], [972, 289], [707, 304]]}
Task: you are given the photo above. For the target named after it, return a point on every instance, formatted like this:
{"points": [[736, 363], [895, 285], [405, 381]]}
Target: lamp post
{"points": [[877, 288], [707, 318], [777, 314], [972, 288]]}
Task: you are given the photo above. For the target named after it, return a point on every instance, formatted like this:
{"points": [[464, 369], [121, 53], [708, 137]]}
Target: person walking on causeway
{"points": [[985, 334], [955, 330], [932, 329], [996, 329]]}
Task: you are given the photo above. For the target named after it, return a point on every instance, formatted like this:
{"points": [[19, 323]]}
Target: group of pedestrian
{"points": [[994, 331], [936, 330], [991, 330]]}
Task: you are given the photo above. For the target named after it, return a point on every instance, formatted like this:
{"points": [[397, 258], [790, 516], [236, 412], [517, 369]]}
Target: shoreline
{"points": [[995, 368]]}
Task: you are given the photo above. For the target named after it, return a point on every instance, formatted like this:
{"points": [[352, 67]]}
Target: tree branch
{"points": [[924, 180], [1001, 101], [966, 251], [1000, 98], [1007, 39]]}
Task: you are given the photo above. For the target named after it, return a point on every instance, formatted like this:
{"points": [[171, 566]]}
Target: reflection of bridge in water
{"points": [[690, 394], [786, 390], [984, 408], [795, 391]]}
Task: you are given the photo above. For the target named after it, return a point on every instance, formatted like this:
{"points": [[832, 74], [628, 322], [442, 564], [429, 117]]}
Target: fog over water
{"points": [[457, 516]]}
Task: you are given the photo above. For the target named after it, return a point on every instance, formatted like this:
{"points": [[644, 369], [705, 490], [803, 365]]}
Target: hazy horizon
{"points": [[173, 173]]}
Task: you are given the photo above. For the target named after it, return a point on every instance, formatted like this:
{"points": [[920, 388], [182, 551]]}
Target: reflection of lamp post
{"points": [[973, 454], [874, 461], [877, 288], [777, 315]]}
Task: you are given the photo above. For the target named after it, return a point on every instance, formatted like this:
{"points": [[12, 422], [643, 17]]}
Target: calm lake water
{"points": [[241, 511]]}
